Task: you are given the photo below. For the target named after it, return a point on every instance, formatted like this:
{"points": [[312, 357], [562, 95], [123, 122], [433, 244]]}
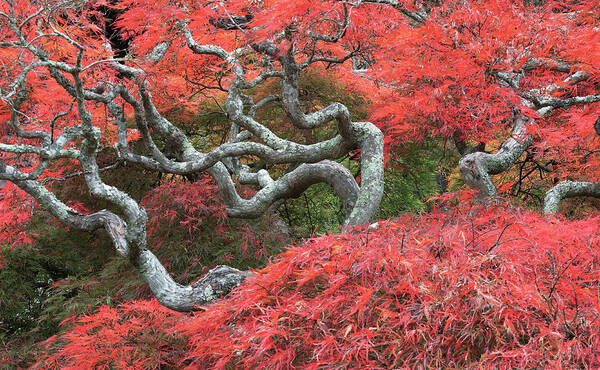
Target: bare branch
{"points": [[569, 189], [477, 167]]}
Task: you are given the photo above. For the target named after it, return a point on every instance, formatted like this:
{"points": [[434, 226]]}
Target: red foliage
{"points": [[135, 335], [440, 79], [189, 204], [192, 214], [500, 287], [15, 212]]}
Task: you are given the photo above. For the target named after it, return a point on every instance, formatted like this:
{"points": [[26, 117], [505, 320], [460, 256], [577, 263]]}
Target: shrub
{"points": [[137, 334], [495, 288], [491, 287]]}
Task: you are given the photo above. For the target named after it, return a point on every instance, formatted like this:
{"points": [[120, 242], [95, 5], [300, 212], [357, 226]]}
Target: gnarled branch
{"points": [[569, 189], [477, 167]]}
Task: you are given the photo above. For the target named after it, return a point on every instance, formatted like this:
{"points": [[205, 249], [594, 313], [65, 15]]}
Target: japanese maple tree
{"points": [[463, 70], [66, 98], [470, 284], [474, 72]]}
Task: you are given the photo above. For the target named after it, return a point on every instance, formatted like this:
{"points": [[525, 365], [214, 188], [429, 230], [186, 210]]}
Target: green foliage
{"points": [[317, 210], [29, 272], [411, 175], [24, 282]]}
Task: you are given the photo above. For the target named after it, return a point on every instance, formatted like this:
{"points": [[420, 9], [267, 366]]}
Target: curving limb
{"points": [[216, 283], [477, 167], [569, 189], [291, 185]]}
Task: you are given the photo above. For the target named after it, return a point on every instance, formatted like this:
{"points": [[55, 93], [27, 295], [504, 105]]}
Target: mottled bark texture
{"points": [[308, 164], [477, 167], [569, 189]]}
